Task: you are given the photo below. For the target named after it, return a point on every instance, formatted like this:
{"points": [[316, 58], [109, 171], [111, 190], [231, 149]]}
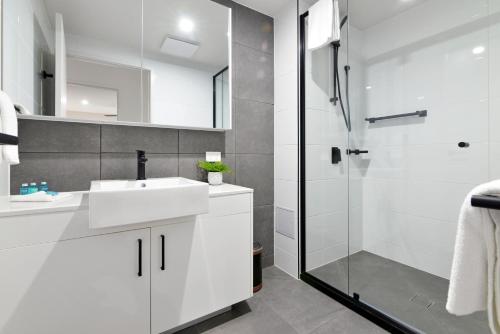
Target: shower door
{"points": [[325, 166], [423, 98], [420, 97]]}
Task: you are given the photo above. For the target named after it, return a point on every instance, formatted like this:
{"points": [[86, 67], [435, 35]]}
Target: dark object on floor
{"points": [[257, 266]]}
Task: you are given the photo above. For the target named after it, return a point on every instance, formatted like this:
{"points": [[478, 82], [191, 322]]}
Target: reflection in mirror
{"points": [[92, 103], [148, 61], [221, 99], [128, 81], [185, 46]]}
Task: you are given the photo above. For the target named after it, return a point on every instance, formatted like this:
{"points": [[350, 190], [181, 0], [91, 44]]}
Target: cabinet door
{"points": [[81, 286], [207, 267]]}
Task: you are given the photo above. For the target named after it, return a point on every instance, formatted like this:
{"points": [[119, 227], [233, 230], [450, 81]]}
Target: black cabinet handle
{"points": [[139, 243], [162, 252]]}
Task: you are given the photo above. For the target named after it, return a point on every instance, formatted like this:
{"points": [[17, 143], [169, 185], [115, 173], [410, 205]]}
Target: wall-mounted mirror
{"points": [[162, 62]]}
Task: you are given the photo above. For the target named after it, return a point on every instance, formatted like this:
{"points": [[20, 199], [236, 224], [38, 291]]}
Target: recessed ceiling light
{"points": [[478, 50], [84, 102], [368, 87], [186, 25]]}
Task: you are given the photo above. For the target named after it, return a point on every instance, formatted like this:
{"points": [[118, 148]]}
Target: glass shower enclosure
{"points": [[389, 149]]}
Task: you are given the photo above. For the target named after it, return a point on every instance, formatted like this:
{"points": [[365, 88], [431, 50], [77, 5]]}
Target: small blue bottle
{"points": [[43, 186], [24, 190], [32, 188]]}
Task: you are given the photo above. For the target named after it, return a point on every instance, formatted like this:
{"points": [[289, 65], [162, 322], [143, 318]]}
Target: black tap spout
{"points": [[141, 165]]}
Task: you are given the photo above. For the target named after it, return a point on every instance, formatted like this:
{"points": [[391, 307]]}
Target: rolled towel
{"points": [[475, 280], [8, 125]]}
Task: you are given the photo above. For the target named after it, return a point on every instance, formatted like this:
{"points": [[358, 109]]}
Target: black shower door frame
{"points": [[353, 302]]}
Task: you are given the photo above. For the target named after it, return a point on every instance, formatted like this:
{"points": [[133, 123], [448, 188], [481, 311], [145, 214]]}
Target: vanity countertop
{"points": [[80, 200]]}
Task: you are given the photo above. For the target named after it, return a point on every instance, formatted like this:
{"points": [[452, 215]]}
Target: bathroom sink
{"points": [[123, 202]]}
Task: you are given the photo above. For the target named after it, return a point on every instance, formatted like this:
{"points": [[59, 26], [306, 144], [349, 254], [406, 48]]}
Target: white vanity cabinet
{"points": [[59, 276], [201, 266], [81, 286]]}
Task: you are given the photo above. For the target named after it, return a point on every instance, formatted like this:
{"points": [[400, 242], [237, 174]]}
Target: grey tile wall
{"points": [[70, 155], [251, 142]]}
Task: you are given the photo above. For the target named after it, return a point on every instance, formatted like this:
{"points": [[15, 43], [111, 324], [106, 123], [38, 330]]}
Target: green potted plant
{"points": [[215, 171]]}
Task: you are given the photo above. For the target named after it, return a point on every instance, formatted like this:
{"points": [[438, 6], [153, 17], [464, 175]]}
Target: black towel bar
{"points": [[486, 201], [8, 139], [420, 113]]}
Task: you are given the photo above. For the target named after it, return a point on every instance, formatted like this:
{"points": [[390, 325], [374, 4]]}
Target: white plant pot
{"points": [[214, 178]]}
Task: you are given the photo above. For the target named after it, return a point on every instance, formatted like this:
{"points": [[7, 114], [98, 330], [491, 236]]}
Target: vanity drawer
{"points": [[229, 205]]}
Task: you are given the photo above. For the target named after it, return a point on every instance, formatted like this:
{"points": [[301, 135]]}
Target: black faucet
{"points": [[141, 165]]}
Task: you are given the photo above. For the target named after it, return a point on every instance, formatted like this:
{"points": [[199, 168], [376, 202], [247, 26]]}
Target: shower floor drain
{"points": [[422, 301]]}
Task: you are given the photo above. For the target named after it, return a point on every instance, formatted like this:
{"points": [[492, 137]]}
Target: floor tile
{"points": [[411, 295], [285, 306], [347, 322]]}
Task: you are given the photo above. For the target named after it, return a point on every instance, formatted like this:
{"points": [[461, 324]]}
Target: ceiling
{"points": [[118, 22], [367, 13], [364, 13], [268, 7]]}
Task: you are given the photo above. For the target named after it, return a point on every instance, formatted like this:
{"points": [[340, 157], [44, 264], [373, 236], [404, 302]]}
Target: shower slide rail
{"points": [[486, 201], [419, 113]]}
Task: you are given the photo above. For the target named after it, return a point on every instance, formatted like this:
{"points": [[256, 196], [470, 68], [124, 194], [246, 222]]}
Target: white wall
{"points": [[286, 133], [180, 96], [416, 178], [22, 42]]}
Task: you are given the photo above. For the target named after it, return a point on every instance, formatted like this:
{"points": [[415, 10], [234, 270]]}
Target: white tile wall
{"points": [[286, 132], [405, 195], [416, 177]]}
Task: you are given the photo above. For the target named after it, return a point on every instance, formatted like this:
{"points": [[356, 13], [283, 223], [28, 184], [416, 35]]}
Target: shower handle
{"points": [[356, 152]]}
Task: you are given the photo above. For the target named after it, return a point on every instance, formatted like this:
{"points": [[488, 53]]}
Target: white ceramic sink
{"points": [[117, 203]]}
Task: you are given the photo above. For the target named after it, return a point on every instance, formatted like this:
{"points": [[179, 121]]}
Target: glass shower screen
{"points": [[381, 202]]}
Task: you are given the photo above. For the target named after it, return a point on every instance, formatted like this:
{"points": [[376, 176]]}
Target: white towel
{"points": [[8, 125], [475, 274], [323, 24]]}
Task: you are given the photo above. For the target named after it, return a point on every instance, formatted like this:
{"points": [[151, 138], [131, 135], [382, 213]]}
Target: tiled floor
{"points": [[414, 296], [286, 306]]}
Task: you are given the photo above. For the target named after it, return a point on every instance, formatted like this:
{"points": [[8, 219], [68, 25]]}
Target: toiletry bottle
{"points": [[33, 188], [24, 190], [43, 186]]}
